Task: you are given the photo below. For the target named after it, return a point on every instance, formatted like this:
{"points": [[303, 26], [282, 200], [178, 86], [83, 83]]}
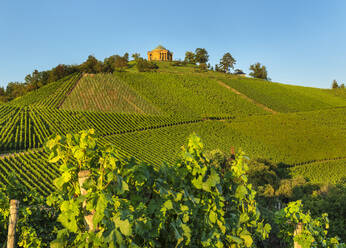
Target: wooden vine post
{"points": [[11, 236], [82, 177], [299, 229]]}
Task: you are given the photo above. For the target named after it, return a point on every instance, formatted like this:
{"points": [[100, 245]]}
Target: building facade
{"points": [[160, 53]]}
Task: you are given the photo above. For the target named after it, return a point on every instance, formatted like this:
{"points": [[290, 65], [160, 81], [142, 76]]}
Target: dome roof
{"points": [[159, 47]]}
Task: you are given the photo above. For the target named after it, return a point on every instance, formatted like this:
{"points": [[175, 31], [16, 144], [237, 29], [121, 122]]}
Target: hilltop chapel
{"points": [[160, 53]]}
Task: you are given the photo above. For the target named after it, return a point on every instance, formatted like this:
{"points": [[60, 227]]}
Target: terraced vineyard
{"points": [[31, 168], [50, 95], [332, 171], [150, 115], [189, 95], [284, 98], [104, 92]]}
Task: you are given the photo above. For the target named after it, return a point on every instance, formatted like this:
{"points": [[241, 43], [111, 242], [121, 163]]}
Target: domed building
{"points": [[160, 53]]}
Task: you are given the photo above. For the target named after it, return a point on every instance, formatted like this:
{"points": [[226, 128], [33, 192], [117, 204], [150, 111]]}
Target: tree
{"points": [[126, 57], [227, 62], [15, 89], [190, 58], [258, 71], [91, 65], [202, 67], [2, 91], [121, 62], [108, 64], [136, 56], [201, 55], [335, 84], [145, 65], [61, 71], [342, 86], [3, 96]]}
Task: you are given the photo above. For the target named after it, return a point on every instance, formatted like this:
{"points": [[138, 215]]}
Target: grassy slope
{"points": [[104, 92]]}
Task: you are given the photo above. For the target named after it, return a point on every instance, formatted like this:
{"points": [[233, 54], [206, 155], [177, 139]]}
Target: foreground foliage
{"points": [[203, 200], [193, 203], [313, 231]]}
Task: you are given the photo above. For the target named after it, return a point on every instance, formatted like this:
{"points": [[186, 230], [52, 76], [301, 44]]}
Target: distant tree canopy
{"points": [[144, 65], [227, 62], [201, 55], [136, 56], [37, 79], [335, 85], [115, 63], [190, 57], [258, 71], [91, 65]]}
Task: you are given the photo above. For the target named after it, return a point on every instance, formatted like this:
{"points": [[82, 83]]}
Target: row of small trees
{"points": [[335, 85], [227, 63], [37, 79]]}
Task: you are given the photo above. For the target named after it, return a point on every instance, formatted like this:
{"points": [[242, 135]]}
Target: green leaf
{"points": [[69, 211], [53, 157], [125, 186], [234, 239], [197, 182], [187, 233], [246, 236], [79, 154], [168, 205], [212, 216], [100, 208], [243, 218], [241, 192], [123, 225]]}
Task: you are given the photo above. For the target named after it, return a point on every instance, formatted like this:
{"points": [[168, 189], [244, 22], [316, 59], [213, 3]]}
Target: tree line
{"points": [[37, 79], [227, 63], [200, 56], [335, 85]]}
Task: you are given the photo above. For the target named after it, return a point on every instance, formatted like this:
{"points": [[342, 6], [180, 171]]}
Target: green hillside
{"points": [[149, 116]]}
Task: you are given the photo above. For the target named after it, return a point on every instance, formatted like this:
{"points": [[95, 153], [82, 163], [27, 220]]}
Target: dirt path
{"points": [[247, 98], [70, 91]]}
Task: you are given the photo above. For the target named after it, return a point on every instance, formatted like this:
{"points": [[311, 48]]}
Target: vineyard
{"points": [[51, 95], [332, 171], [149, 116], [107, 93], [189, 95], [284, 98]]}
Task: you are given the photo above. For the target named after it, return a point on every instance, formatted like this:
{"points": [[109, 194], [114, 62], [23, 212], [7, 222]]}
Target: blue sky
{"points": [[301, 42]]}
